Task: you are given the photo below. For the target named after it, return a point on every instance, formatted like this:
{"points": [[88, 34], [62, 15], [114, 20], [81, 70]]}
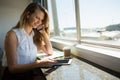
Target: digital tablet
{"points": [[63, 62]]}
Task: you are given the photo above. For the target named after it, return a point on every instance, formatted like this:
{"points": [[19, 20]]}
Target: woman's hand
{"points": [[43, 32], [47, 62]]}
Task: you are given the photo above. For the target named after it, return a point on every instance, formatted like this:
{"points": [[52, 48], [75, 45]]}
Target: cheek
{"points": [[31, 21]]}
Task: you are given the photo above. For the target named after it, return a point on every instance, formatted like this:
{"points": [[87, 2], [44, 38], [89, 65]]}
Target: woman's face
{"points": [[36, 19]]}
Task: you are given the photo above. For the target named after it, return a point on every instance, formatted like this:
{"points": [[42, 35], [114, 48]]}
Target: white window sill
{"points": [[102, 50]]}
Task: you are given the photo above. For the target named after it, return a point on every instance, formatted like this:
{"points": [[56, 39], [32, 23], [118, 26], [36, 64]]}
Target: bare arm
{"points": [[47, 47], [10, 49]]}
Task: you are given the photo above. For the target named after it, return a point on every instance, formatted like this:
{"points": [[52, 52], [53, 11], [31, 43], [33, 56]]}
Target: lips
{"points": [[36, 23]]}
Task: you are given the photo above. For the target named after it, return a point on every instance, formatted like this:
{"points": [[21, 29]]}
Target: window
{"points": [[51, 19], [100, 21], [65, 18], [96, 24]]}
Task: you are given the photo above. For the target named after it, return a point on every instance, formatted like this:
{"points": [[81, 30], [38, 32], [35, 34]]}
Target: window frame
{"points": [[78, 28]]}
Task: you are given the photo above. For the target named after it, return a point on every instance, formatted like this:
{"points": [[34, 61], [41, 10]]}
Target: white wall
{"points": [[10, 11]]}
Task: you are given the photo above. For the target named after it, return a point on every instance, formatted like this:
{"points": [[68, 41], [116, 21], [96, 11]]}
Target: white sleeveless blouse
{"points": [[26, 49]]}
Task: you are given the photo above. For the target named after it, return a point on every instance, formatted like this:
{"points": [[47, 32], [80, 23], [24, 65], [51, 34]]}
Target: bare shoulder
{"points": [[10, 32], [11, 36]]}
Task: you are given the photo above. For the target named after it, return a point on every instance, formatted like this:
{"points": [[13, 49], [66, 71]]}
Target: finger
{"points": [[51, 59]]}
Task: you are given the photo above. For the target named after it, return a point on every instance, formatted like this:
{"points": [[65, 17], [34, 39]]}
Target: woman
{"points": [[22, 43]]}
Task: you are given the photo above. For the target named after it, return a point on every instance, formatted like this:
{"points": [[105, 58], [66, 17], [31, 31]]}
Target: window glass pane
{"points": [[66, 18], [100, 20], [51, 18]]}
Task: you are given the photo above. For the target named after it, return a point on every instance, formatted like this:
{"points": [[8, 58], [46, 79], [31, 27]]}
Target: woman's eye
{"points": [[37, 18]]}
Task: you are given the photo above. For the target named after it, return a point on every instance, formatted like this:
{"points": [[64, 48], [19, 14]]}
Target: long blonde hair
{"points": [[30, 9]]}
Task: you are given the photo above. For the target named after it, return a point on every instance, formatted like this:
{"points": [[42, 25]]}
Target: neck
{"points": [[28, 29]]}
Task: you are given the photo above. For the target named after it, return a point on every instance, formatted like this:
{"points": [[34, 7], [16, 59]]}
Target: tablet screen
{"points": [[63, 62]]}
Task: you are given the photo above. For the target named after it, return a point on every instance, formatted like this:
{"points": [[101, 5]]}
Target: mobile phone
{"points": [[40, 28]]}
